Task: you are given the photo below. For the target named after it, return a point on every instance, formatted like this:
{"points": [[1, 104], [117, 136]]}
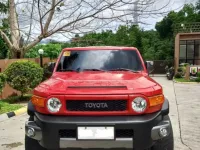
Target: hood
{"points": [[122, 82]]}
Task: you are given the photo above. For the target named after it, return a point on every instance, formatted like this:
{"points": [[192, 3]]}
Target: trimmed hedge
{"points": [[2, 81], [24, 75]]}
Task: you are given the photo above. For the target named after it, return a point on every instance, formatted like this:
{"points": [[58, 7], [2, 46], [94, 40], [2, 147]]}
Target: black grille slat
{"points": [[67, 133], [119, 133], [124, 133], [80, 105]]}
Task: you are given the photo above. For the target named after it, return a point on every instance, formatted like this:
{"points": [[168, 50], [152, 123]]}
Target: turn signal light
{"points": [[38, 101], [156, 100]]}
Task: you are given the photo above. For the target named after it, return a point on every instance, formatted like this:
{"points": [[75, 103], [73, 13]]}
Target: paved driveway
{"points": [[184, 113]]}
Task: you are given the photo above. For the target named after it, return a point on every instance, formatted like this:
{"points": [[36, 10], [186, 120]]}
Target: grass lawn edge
{"points": [[6, 107], [184, 81]]}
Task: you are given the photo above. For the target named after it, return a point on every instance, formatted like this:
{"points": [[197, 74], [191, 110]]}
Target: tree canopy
{"points": [[188, 14], [153, 44], [31, 21]]}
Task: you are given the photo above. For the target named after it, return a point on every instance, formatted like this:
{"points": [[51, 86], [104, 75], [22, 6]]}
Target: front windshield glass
{"points": [[100, 59]]}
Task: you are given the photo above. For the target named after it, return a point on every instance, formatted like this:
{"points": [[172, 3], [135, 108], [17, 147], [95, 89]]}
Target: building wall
{"points": [[183, 36]]}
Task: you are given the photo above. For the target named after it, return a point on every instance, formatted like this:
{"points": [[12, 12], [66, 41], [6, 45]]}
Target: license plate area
{"points": [[95, 133]]}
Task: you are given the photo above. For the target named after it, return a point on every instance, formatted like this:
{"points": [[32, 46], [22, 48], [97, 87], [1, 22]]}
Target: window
{"points": [[190, 52], [100, 59], [197, 49], [182, 51]]}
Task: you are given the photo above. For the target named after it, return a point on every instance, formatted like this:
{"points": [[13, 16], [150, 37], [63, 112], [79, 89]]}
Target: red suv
{"points": [[99, 97]]}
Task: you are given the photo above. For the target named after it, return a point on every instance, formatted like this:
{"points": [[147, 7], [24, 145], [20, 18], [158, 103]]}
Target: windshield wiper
{"points": [[93, 69], [123, 69], [68, 70]]}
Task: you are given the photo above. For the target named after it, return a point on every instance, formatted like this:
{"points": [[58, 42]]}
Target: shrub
{"points": [[2, 81], [180, 69], [24, 75], [198, 74], [178, 75], [197, 79], [47, 73], [14, 99], [186, 64]]}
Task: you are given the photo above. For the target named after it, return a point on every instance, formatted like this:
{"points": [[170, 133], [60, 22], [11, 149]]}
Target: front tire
{"points": [[165, 143], [31, 144]]}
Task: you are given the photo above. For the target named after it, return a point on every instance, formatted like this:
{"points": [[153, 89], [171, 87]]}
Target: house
{"points": [[187, 44]]}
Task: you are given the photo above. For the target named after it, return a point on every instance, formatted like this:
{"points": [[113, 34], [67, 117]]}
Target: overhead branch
{"points": [[52, 10], [32, 44], [40, 17], [6, 39]]}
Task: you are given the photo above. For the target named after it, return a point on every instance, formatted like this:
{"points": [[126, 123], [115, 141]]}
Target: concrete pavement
{"points": [[184, 113], [188, 102], [168, 88], [12, 133]]}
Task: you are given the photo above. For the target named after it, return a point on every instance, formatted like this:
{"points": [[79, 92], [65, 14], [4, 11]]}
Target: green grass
{"points": [[6, 107], [183, 80], [17, 99]]}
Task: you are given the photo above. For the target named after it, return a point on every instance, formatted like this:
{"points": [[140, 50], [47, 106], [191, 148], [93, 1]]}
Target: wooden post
{"points": [[187, 73]]}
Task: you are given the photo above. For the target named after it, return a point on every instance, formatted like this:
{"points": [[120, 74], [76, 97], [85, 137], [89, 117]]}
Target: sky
{"points": [[175, 5], [148, 21]]}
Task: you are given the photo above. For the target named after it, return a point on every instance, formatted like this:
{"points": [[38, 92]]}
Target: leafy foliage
{"points": [[15, 99], [2, 81], [3, 45], [180, 69], [197, 79], [50, 50], [188, 14], [178, 75], [198, 74], [24, 75], [3, 7], [47, 73]]}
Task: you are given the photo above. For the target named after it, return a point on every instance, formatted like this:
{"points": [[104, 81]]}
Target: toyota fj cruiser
{"points": [[99, 97]]}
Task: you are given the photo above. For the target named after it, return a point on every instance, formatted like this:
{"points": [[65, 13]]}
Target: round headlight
{"points": [[139, 104], [54, 105]]}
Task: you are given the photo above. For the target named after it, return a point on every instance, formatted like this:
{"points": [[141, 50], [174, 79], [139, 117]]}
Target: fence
{"points": [[7, 91], [159, 66]]}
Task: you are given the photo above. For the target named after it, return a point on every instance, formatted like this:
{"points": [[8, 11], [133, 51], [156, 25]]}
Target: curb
{"points": [[8, 115]]}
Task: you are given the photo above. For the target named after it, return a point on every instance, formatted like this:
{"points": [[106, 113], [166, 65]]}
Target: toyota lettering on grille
{"points": [[96, 105]]}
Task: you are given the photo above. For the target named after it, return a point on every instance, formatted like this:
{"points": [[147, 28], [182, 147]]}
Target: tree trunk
{"points": [[15, 32], [16, 54]]}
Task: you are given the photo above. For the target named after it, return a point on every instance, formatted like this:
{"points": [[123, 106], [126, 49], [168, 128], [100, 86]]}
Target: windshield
{"points": [[99, 60]]}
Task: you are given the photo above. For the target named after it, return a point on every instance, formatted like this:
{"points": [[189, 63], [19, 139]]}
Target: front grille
{"points": [[119, 133], [96, 105]]}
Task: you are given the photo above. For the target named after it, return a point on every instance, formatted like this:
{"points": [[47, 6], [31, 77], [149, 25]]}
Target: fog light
{"points": [[31, 132], [163, 132]]}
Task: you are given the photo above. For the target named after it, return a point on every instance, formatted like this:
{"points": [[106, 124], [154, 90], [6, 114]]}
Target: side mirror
{"points": [[149, 66], [51, 66]]}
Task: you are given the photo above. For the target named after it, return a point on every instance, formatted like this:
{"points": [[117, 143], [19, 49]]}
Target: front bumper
{"points": [[146, 130]]}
